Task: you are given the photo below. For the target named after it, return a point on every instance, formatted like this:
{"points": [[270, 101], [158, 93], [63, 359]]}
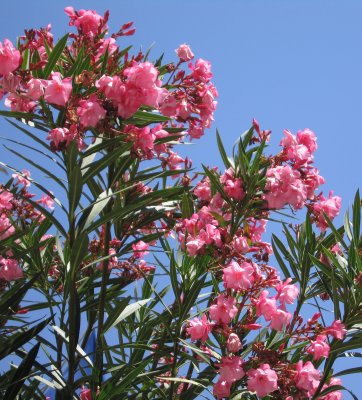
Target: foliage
{"points": [[85, 313]]}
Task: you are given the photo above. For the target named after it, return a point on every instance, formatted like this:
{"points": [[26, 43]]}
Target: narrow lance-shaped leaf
{"points": [[55, 55], [21, 373]]}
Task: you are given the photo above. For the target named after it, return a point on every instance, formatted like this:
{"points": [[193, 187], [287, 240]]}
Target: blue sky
{"points": [[288, 63]]}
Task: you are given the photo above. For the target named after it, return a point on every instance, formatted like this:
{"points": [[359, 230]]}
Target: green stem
{"points": [[98, 363], [72, 310]]}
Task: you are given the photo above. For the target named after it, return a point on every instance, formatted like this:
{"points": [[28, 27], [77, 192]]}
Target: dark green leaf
{"points": [[55, 55], [21, 373]]}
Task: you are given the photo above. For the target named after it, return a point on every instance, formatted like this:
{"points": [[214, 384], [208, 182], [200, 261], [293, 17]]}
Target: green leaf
{"points": [[99, 165], [222, 151], [104, 61], [128, 310], [19, 114], [78, 349], [277, 255], [14, 295], [95, 210], [39, 167], [119, 384], [144, 117], [75, 188], [331, 389], [74, 70], [47, 214], [356, 370], [115, 313], [19, 339], [356, 221], [55, 55], [79, 251], [21, 374]]}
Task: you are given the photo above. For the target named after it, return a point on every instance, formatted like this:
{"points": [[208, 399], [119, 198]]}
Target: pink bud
{"points": [[233, 343], [184, 53]]}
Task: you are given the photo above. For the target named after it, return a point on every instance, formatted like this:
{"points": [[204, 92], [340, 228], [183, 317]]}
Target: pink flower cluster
{"points": [[97, 96], [193, 100], [329, 207], [9, 58], [17, 212], [10, 269], [88, 22], [293, 180], [240, 263], [138, 86], [6, 204]]}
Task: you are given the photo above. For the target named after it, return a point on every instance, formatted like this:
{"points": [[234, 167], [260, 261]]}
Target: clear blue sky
{"points": [[288, 63]]}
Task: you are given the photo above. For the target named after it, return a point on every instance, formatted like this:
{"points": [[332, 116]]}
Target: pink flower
{"points": [[287, 293], [58, 90], [109, 43], [201, 71], [88, 22], [143, 75], [262, 380], [10, 83], [231, 369], [9, 58], [85, 394], [319, 348], [221, 389], [6, 228], [19, 103], [284, 186], [233, 343], [312, 181], [141, 88], [335, 395], [140, 249], [224, 310], [208, 105], [169, 106], [307, 138], [195, 131], [58, 136], [194, 245], [337, 330], [36, 88], [112, 261], [21, 178], [211, 234], [280, 319], [203, 190], [145, 139], [10, 269], [265, 306], [46, 201], [5, 200], [238, 277], [199, 329], [298, 150], [233, 188], [256, 228], [241, 245], [184, 53], [160, 133], [90, 112], [330, 207], [307, 377]]}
